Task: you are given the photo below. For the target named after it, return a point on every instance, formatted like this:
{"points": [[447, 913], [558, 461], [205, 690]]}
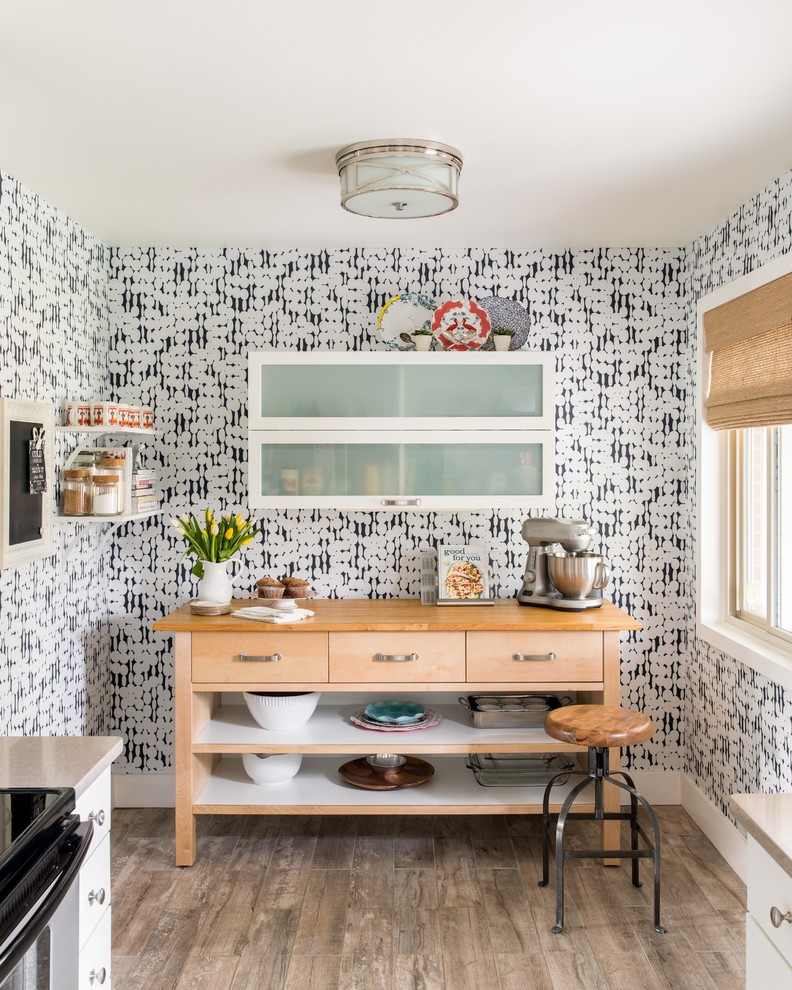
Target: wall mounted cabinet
{"points": [[401, 430]]}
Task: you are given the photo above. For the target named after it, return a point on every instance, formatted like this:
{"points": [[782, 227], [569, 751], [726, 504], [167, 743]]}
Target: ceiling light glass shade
{"points": [[399, 178]]}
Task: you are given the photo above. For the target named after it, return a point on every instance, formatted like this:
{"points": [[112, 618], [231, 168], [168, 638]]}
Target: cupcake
{"points": [[268, 587], [297, 588]]}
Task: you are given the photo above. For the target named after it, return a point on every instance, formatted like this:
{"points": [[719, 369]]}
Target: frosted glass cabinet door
{"points": [[438, 470], [333, 390]]}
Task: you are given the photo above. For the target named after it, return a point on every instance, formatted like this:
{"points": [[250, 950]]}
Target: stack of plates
{"points": [[518, 769], [210, 608], [395, 716]]}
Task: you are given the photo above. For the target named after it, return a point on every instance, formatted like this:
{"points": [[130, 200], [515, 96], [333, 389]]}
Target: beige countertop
{"points": [[768, 819], [56, 761]]}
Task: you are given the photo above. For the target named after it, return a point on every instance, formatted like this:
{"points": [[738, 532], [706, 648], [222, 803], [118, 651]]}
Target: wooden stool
{"points": [[601, 728]]}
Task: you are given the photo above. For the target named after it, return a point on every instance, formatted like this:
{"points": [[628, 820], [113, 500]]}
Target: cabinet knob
{"points": [[272, 658], [97, 976], [533, 656], [396, 657], [401, 501], [777, 918], [98, 817], [97, 896]]}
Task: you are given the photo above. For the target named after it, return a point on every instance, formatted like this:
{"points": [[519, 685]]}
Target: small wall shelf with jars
{"points": [[107, 483]]}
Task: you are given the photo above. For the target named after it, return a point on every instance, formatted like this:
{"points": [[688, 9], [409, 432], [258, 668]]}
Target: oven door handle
{"points": [[79, 843]]}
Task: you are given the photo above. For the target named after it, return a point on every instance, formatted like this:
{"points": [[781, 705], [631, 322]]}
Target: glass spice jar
{"points": [[76, 494], [105, 495]]}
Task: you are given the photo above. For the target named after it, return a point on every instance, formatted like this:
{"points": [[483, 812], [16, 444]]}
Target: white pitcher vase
{"points": [[215, 585]]}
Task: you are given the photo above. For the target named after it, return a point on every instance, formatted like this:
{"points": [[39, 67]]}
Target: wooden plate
{"points": [[362, 774]]}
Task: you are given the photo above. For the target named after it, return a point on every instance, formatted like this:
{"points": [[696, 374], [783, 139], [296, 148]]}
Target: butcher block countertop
{"points": [[56, 761], [394, 614]]}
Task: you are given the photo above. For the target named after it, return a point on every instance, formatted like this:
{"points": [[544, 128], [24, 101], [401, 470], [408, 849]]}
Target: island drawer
{"points": [[528, 657], [275, 657], [397, 657]]}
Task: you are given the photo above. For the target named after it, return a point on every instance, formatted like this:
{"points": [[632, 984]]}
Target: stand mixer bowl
{"points": [[577, 575]]}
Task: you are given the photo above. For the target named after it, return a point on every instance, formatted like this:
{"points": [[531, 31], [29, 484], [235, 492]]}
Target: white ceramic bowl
{"points": [[281, 711], [271, 768]]}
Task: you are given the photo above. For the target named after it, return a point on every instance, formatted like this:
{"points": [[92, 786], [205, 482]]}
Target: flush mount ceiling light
{"points": [[399, 178]]}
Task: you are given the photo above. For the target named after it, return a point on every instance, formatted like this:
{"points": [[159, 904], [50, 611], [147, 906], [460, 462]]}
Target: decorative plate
{"points": [[429, 719], [362, 774], [461, 325], [397, 712], [510, 314], [405, 313]]}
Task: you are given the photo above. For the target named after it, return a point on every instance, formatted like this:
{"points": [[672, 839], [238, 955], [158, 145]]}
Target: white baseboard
{"points": [[144, 790], [729, 842]]}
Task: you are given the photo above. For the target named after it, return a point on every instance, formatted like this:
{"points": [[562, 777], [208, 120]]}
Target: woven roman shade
{"points": [[750, 344]]}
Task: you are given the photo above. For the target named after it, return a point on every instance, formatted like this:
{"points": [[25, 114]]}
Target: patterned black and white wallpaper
{"points": [[738, 722], [54, 642], [78, 651], [184, 322]]}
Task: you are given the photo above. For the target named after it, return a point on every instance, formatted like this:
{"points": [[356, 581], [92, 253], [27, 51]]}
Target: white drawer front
{"points": [[94, 888], [765, 967], [770, 887], [94, 804], [95, 958]]}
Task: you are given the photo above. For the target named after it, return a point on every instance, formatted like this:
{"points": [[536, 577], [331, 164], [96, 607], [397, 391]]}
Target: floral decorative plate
{"points": [[461, 325], [404, 314], [510, 314]]}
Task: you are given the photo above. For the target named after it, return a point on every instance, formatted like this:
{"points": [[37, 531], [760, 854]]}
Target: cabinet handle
{"points": [[777, 918], [273, 658], [398, 657], [98, 817], [97, 896], [97, 976], [401, 501], [533, 656]]}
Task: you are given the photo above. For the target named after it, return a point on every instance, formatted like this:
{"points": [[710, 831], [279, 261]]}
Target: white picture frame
{"points": [[25, 519]]}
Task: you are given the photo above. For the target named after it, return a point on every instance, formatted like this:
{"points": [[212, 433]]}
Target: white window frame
{"points": [[762, 651]]}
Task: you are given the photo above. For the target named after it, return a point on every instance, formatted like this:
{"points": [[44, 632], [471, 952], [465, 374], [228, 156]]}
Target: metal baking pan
{"points": [[527, 769], [511, 711]]}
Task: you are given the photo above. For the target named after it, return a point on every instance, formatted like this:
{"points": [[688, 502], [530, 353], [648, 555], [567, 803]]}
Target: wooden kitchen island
{"points": [[343, 652]]}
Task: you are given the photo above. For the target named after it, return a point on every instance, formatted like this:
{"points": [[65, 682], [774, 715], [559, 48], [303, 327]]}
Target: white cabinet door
{"points": [[454, 469], [381, 390], [765, 967]]}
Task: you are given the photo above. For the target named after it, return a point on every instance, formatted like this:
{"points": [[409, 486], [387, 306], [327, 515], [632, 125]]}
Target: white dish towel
{"points": [[262, 614]]}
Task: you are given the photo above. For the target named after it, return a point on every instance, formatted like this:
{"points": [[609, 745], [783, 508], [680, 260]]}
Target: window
{"points": [[760, 516], [743, 529]]}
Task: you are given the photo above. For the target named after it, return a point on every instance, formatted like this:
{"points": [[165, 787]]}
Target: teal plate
{"points": [[394, 712]]}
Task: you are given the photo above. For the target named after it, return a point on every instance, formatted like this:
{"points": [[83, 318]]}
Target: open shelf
{"points": [[108, 431], [115, 520], [318, 788], [232, 729]]}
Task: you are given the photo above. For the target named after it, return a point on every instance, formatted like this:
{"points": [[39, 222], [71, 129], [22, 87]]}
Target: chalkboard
{"points": [[24, 510], [26, 518]]}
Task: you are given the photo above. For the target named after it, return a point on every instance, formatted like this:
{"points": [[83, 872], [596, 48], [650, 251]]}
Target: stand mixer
{"points": [[571, 580]]}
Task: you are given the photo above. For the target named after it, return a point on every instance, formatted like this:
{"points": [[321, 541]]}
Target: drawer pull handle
{"points": [[533, 656], [397, 657], [777, 918], [97, 896], [273, 658], [97, 976], [401, 501], [98, 817]]}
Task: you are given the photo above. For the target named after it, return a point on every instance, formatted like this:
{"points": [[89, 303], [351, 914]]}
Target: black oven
{"points": [[42, 846]]}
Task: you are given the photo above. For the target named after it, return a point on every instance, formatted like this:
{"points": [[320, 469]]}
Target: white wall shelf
{"points": [[114, 520], [106, 431]]}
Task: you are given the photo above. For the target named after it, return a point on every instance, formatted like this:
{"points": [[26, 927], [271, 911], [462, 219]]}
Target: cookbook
{"points": [[462, 572]]}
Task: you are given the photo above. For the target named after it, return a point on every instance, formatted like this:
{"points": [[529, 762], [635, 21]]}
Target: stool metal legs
{"points": [[599, 774]]}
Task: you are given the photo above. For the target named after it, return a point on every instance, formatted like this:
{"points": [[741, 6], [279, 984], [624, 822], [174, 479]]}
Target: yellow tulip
{"points": [[229, 532], [248, 540], [203, 531], [238, 520]]}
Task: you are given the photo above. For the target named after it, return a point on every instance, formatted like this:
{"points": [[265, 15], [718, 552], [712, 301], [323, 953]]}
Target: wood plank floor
{"points": [[411, 903]]}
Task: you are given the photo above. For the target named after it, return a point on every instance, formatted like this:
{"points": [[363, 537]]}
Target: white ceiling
{"points": [[215, 122]]}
